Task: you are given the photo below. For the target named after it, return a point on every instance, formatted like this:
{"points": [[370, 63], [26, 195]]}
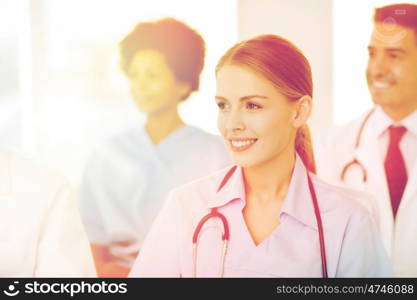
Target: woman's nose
{"points": [[235, 121]]}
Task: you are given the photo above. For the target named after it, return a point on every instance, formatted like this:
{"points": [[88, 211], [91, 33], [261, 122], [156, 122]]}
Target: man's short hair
{"points": [[182, 47], [403, 14]]}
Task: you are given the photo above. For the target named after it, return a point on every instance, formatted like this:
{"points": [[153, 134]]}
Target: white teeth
{"points": [[381, 84], [239, 144]]}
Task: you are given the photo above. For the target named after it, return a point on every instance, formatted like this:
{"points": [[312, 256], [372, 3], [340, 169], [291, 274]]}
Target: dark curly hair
{"points": [[182, 47]]}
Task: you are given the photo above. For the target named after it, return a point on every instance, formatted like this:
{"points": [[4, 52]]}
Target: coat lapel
{"points": [[369, 155], [410, 191]]}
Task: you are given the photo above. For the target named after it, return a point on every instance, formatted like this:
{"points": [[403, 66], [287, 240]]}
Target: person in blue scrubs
{"points": [[127, 179]]}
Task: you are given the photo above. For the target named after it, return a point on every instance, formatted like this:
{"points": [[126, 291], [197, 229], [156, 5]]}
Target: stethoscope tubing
{"points": [[319, 227], [355, 161], [214, 213]]}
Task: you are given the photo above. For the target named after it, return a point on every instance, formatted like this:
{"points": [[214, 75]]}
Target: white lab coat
{"points": [[41, 233], [334, 150]]}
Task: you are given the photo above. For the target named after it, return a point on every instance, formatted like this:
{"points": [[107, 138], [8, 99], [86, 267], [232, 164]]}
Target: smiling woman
{"points": [[153, 84], [277, 217], [293, 83], [250, 120]]}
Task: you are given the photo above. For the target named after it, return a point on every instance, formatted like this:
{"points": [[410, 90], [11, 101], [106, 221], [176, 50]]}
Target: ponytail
{"points": [[304, 148]]}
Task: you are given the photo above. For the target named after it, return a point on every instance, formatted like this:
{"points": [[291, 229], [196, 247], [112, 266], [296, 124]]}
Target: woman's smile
{"points": [[241, 144]]}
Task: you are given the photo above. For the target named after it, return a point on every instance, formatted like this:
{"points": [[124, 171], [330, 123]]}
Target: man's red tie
{"points": [[395, 170]]}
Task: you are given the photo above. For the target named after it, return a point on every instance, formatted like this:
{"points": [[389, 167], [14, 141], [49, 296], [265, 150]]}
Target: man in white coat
{"points": [[377, 152], [41, 232]]}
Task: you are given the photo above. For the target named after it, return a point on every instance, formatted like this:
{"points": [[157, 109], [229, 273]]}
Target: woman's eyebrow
{"points": [[244, 98], [253, 96], [221, 98]]}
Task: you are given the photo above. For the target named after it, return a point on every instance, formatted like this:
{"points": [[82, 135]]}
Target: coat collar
{"points": [[298, 202], [231, 187], [381, 121]]}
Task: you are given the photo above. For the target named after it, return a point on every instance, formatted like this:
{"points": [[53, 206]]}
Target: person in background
{"points": [[127, 179], [269, 215], [41, 230], [377, 152]]}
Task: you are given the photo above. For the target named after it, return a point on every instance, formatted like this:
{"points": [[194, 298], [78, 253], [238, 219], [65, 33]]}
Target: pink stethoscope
{"points": [[355, 161], [214, 213]]}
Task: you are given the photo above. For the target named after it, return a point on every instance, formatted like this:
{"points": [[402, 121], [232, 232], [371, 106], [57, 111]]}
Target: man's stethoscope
{"points": [[355, 161], [214, 213]]}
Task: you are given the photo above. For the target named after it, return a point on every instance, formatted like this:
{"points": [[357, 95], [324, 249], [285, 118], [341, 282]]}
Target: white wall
{"points": [[307, 24], [80, 96]]}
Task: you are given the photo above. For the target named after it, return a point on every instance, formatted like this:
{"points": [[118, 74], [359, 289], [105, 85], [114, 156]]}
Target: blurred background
{"points": [[62, 92]]}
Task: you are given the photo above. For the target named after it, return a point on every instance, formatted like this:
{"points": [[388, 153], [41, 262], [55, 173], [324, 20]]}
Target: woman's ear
{"points": [[303, 108]]}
